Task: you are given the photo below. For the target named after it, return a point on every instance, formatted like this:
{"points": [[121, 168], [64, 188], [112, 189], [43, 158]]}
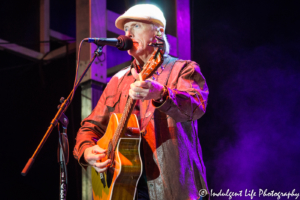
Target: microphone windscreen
{"points": [[125, 43]]}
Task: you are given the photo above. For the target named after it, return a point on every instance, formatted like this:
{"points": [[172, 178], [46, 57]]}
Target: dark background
{"points": [[247, 50]]}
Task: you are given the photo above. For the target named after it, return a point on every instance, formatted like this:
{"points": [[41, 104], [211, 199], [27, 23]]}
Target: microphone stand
{"points": [[63, 156], [60, 116]]}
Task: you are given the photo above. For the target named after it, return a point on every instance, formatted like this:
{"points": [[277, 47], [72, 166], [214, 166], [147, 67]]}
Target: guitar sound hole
{"points": [[109, 176]]}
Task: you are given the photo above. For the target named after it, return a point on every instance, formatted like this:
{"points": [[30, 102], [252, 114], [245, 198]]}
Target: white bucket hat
{"points": [[142, 12]]}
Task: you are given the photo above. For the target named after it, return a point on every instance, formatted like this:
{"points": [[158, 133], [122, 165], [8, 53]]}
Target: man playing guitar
{"points": [[168, 106]]}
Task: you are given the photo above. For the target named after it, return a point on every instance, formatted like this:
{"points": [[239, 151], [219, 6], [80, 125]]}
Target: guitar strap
{"points": [[162, 79]]}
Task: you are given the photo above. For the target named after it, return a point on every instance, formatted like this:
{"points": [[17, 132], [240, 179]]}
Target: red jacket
{"points": [[172, 152]]}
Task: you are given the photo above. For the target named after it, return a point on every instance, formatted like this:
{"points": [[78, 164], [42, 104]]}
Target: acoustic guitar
{"points": [[122, 140]]}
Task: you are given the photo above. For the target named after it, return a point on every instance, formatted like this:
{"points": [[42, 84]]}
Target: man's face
{"points": [[141, 34]]}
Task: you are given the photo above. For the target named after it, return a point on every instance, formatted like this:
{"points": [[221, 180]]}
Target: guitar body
{"points": [[122, 140], [121, 179]]}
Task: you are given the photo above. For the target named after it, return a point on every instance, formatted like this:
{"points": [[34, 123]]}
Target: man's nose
{"points": [[128, 33]]}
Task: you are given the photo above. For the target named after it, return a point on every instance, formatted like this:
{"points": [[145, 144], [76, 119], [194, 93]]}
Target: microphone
{"points": [[123, 42]]}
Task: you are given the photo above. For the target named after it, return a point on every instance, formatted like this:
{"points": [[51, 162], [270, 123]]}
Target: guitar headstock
{"points": [[156, 59]]}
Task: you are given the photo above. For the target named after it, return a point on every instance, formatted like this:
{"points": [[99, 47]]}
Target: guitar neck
{"points": [[124, 120], [153, 63]]}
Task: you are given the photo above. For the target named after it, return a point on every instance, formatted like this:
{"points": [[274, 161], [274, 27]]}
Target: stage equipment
{"points": [[123, 43], [60, 117]]}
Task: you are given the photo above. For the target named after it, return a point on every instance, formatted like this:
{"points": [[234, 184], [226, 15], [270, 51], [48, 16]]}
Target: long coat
{"points": [[172, 152]]}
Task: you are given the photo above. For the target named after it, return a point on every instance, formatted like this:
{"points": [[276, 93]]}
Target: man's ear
{"points": [[159, 31]]}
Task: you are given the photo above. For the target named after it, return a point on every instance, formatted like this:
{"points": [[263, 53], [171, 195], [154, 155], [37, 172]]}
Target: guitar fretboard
{"points": [[150, 67]]}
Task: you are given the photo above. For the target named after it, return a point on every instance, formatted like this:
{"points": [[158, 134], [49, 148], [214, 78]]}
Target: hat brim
{"points": [[120, 21]]}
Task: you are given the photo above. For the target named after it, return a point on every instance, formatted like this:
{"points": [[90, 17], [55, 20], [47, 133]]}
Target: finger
{"points": [[136, 95], [98, 156], [132, 85], [138, 89], [94, 157], [135, 74], [143, 84], [97, 149], [136, 84], [133, 95], [102, 164]]}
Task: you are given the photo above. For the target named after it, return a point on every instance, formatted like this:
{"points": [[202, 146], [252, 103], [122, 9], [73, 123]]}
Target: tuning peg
{"points": [[62, 99]]}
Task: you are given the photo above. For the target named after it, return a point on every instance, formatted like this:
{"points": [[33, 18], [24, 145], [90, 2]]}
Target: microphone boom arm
{"points": [[63, 107]]}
